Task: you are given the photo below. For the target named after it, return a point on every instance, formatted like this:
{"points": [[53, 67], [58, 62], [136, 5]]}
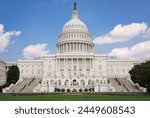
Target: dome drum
{"points": [[78, 47], [75, 36]]}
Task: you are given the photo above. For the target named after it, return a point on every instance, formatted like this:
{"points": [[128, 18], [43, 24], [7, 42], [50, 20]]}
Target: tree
{"points": [[141, 74], [12, 75]]}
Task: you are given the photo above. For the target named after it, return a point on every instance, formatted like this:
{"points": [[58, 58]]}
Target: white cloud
{"points": [[147, 33], [122, 33], [139, 51], [35, 51], [5, 38]]}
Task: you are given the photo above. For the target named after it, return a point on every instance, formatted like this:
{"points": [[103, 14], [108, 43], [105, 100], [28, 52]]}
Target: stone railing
{"points": [[6, 90], [137, 85], [74, 87]]}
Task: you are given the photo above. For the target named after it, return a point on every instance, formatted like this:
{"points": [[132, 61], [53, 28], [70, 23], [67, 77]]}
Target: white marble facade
{"points": [[2, 72], [75, 66]]}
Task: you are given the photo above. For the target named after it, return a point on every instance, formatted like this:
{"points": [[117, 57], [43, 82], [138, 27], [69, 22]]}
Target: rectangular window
{"points": [[38, 71], [32, 71], [100, 67]]}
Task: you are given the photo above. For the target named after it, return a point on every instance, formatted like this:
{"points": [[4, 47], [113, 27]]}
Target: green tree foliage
{"points": [[68, 90], [141, 74], [12, 76]]}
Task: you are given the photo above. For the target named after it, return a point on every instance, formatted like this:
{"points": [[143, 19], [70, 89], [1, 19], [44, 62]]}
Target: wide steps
{"points": [[123, 85], [25, 86]]}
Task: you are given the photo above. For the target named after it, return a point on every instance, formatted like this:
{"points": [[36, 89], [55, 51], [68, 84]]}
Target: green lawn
{"points": [[75, 98]]}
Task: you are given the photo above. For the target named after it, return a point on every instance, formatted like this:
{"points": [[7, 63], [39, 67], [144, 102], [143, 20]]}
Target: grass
{"points": [[74, 97]]}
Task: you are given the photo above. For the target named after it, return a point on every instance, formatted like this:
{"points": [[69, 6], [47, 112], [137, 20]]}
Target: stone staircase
{"points": [[123, 85], [117, 85], [31, 85], [25, 86], [129, 85]]}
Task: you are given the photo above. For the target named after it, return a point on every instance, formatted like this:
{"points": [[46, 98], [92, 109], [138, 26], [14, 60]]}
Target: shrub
{"points": [[63, 90], [80, 90], [68, 90], [86, 90]]}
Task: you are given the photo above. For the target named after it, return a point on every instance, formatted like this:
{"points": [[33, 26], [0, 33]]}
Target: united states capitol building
{"points": [[74, 68]]}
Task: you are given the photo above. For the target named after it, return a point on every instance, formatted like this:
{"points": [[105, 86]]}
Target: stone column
{"points": [[66, 47], [59, 64], [56, 64], [90, 48], [69, 47], [87, 48], [79, 47], [61, 47], [85, 64], [93, 64], [83, 47], [73, 46], [77, 65], [64, 64], [90, 64], [72, 64]]}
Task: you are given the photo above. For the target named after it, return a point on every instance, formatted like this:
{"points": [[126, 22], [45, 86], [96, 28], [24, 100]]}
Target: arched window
{"points": [[82, 82], [51, 82], [59, 82], [89, 82], [97, 81], [69, 35], [74, 82], [67, 82]]}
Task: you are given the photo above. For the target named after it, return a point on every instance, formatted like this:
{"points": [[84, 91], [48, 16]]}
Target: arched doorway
{"points": [[51, 82], [74, 90], [97, 81], [89, 82], [59, 82], [82, 82], [74, 82], [67, 82]]}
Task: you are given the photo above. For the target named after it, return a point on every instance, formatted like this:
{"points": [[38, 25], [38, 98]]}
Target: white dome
{"points": [[74, 24], [75, 37]]}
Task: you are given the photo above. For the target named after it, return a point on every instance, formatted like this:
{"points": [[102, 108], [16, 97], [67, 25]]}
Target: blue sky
{"points": [[41, 22]]}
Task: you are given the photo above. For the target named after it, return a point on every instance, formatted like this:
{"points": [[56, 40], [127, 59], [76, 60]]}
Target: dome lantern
{"points": [[75, 12]]}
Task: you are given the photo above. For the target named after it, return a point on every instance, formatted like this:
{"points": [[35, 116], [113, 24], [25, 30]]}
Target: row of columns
{"points": [[76, 46], [75, 35], [84, 62]]}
